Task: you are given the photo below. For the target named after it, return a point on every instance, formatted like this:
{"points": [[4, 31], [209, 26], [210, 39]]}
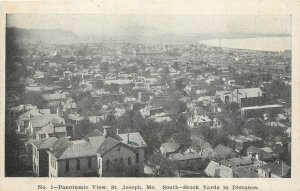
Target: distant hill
{"points": [[135, 35], [53, 36]]}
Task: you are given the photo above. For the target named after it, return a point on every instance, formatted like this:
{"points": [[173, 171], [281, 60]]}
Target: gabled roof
{"points": [[78, 149], [49, 97], [64, 149], [107, 145], [94, 133], [222, 151], [33, 112], [43, 120], [242, 172], [276, 169], [223, 172], [251, 92], [211, 167], [59, 147], [253, 149], [49, 130], [237, 161], [256, 150], [135, 139], [45, 143], [184, 156]]}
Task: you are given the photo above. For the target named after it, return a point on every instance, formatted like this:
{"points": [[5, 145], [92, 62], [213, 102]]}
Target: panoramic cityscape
{"points": [[148, 96]]}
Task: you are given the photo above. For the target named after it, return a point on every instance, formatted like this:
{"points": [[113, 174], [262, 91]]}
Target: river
{"points": [[261, 43]]}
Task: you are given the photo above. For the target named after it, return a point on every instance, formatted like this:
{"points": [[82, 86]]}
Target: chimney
{"points": [[106, 131], [127, 140]]}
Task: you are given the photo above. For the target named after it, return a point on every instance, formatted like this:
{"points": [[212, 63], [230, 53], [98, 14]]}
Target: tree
{"points": [[75, 80], [15, 75], [175, 104], [258, 128], [161, 166], [180, 84], [65, 83], [15, 165], [98, 84], [35, 98], [84, 127], [88, 107], [113, 87]]}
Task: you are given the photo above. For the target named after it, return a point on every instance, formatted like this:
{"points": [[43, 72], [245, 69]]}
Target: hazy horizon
{"points": [[153, 24]]}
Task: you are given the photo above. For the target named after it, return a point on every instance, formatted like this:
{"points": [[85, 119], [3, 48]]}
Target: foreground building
{"points": [[120, 155]]}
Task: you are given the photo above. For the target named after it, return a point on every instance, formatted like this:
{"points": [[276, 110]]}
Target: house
{"points": [[98, 156], [263, 154], [239, 161], [288, 132], [67, 74], [69, 106], [52, 130], [15, 112], [29, 150], [198, 120], [222, 152], [274, 170], [23, 120], [40, 164], [186, 160], [54, 99], [215, 169], [243, 172], [37, 123], [259, 111], [243, 142], [161, 117], [202, 147], [107, 97], [150, 110], [248, 97]]}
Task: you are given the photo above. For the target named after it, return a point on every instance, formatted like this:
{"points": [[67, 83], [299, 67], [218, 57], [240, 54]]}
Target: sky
{"points": [[154, 24]]}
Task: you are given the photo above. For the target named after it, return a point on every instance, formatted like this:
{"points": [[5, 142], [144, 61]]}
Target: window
{"points": [[67, 166], [107, 164], [129, 161], [89, 162], [116, 161], [78, 164], [137, 157], [121, 161]]}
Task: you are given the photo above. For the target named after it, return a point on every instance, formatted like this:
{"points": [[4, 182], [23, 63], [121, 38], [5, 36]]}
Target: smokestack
{"points": [[127, 141], [106, 131]]}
